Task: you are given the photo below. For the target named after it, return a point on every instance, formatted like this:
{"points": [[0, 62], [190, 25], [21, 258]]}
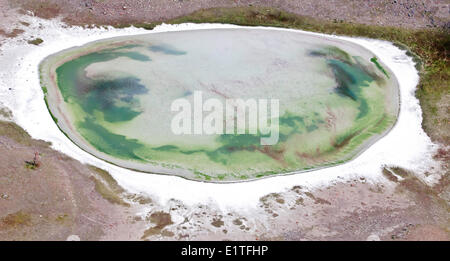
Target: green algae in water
{"points": [[107, 142], [375, 61], [332, 100], [114, 98]]}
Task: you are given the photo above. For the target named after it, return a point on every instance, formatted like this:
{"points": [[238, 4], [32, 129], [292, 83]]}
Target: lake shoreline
{"points": [[384, 152], [69, 130]]}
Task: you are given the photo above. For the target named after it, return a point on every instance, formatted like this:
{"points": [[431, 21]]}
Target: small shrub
{"points": [[36, 41]]}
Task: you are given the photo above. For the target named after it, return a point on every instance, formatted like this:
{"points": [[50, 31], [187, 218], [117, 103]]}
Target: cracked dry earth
{"points": [[64, 199]]}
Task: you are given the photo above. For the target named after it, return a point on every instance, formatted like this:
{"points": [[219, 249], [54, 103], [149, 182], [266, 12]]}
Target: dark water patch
{"points": [[166, 148], [350, 74], [291, 120], [72, 81], [236, 142], [166, 49], [350, 81], [310, 128], [187, 93], [134, 55], [115, 98], [231, 143], [332, 52], [108, 142], [378, 65]]}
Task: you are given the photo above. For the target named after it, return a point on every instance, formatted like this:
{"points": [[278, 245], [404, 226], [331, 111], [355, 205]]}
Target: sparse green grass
{"points": [[147, 26], [14, 132], [107, 186], [16, 219], [31, 165], [36, 41], [44, 89], [108, 193], [107, 178], [61, 218]]}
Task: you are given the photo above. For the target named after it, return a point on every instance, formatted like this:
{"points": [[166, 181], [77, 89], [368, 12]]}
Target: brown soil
{"points": [[52, 201], [404, 13], [428, 233]]}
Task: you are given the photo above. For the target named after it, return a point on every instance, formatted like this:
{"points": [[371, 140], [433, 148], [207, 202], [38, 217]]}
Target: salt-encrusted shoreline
{"points": [[406, 145], [63, 114]]}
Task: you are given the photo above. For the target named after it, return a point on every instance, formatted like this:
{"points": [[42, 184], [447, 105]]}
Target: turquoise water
{"points": [[332, 97]]}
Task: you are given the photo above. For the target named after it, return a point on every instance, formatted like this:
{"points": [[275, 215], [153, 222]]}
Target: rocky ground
{"points": [[63, 199], [405, 13]]}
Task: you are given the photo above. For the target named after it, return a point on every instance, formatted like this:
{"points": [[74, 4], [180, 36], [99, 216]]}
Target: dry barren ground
{"points": [[63, 198], [405, 13]]}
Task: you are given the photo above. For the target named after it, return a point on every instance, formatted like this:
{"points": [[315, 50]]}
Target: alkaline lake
{"points": [[113, 99]]}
